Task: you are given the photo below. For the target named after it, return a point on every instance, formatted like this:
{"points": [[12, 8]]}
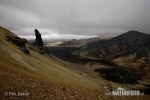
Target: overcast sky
{"points": [[68, 19]]}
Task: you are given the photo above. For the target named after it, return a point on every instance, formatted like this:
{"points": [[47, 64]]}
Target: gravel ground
{"points": [[18, 85]]}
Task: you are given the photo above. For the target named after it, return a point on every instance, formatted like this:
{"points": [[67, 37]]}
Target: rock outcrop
{"points": [[17, 40], [20, 42], [39, 45], [38, 40]]}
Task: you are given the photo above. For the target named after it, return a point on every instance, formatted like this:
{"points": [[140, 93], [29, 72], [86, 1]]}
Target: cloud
{"points": [[75, 18], [17, 18], [50, 35]]}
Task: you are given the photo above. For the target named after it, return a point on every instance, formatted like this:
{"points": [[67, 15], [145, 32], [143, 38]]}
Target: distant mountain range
{"points": [[81, 42], [130, 43]]}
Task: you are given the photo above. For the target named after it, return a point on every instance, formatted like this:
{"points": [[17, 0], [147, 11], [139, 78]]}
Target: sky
{"points": [[74, 19]]}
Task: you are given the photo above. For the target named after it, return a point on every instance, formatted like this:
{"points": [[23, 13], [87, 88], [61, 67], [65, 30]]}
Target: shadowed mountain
{"points": [[131, 50], [129, 43]]}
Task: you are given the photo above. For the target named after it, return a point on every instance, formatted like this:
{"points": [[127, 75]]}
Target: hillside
{"points": [[28, 73]]}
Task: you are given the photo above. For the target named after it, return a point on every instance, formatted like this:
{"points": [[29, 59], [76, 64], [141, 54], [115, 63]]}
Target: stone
{"points": [[39, 45], [20, 42], [17, 40], [38, 40]]}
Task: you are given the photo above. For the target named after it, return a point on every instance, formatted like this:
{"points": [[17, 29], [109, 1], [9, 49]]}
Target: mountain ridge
{"points": [[81, 42], [129, 41]]}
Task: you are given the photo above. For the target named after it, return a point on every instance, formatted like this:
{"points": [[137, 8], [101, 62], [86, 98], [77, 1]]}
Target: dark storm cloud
{"points": [[74, 18]]}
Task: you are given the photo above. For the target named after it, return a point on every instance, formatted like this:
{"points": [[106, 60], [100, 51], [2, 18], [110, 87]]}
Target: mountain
{"points": [[131, 42], [82, 41], [131, 50], [28, 71]]}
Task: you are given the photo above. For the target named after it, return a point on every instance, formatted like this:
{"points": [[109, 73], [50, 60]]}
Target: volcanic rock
{"points": [[38, 40], [39, 45], [119, 74], [20, 42], [17, 40]]}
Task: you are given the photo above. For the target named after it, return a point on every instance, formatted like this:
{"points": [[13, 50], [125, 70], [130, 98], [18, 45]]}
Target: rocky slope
{"points": [[36, 75]]}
